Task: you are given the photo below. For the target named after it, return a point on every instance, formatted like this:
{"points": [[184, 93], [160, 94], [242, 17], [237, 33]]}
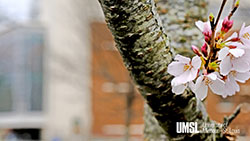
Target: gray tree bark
{"points": [[178, 18], [144, 46]]}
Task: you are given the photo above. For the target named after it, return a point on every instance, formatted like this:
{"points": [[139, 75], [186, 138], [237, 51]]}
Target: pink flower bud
{"points": [[207, 32], [196, 50], [204, 49], [207, 39], [226, 25]]}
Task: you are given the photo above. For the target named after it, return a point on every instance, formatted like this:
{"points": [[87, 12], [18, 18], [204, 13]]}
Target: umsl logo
{"points": [[187, 127]]}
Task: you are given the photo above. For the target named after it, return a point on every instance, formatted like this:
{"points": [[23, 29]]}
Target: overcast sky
{"points": [[18, 10]]}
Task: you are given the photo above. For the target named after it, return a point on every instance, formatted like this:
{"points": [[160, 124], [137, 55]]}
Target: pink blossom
{"points": [[244, 35], [233, 38], [205, 28], [231, 85], [234, 59], [185, 70], [212, 81], [179, 89]]}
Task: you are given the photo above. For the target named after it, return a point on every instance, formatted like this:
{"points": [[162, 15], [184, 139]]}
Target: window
{"points": [[21, 70]]}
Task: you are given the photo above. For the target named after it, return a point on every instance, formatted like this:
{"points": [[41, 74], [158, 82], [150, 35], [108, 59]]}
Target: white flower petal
{"points": [[178, 80], [219, 26], [201, 90], [182, 59], [196, 62], [223, 53], [234, 84], [234, 35], [218, 75], [246, 30], [191, 85], [242, 29], [242, 77], [246, 56], [231, 86], [212, 76], [229, 89], [240, 65], [175, 68], [217, 86], [187, 76], [236, 52], [200, 25], [179, 89], [246, 41], [237, 44], [225, 66], [184, 78], [199, 81]]}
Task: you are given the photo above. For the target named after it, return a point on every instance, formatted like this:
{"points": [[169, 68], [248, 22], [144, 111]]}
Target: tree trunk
{"points": [[144, 46], [178, 18]]}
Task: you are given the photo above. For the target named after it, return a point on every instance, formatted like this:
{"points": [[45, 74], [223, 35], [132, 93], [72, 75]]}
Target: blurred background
{"points": [[62, 79]]}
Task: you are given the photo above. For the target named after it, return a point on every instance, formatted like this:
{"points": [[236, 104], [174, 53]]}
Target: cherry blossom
{"points": [[212, 81], [185, 70], [205, 28], [221, 63], [179, 89], [244, 35], [232, 59], [231, 85], [233, 37]]}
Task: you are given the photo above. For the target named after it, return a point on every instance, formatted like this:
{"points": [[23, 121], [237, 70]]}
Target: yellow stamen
{"points": [[220, 44], [207, 81], [203, 62], [213, 66], [233, 73], [186, 67], [246, 36]]}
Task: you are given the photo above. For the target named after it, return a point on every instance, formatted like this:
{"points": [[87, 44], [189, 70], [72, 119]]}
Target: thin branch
{"points": [[213, 28], [216, 23], [235, 7], [220, 12], [229, 119]]}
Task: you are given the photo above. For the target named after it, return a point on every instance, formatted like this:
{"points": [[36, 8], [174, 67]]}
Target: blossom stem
{"points": [[235, 7], [220, 12], [216, 23], [213, 28]]}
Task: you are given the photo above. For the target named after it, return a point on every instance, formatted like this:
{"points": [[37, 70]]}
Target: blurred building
{"points": [[60, 75]]}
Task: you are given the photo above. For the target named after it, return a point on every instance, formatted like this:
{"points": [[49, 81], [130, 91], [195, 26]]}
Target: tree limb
{"points": [[229, 119], [144, 46]]}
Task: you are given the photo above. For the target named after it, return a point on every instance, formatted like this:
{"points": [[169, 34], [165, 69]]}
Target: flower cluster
{"points": [[220, 64]]}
